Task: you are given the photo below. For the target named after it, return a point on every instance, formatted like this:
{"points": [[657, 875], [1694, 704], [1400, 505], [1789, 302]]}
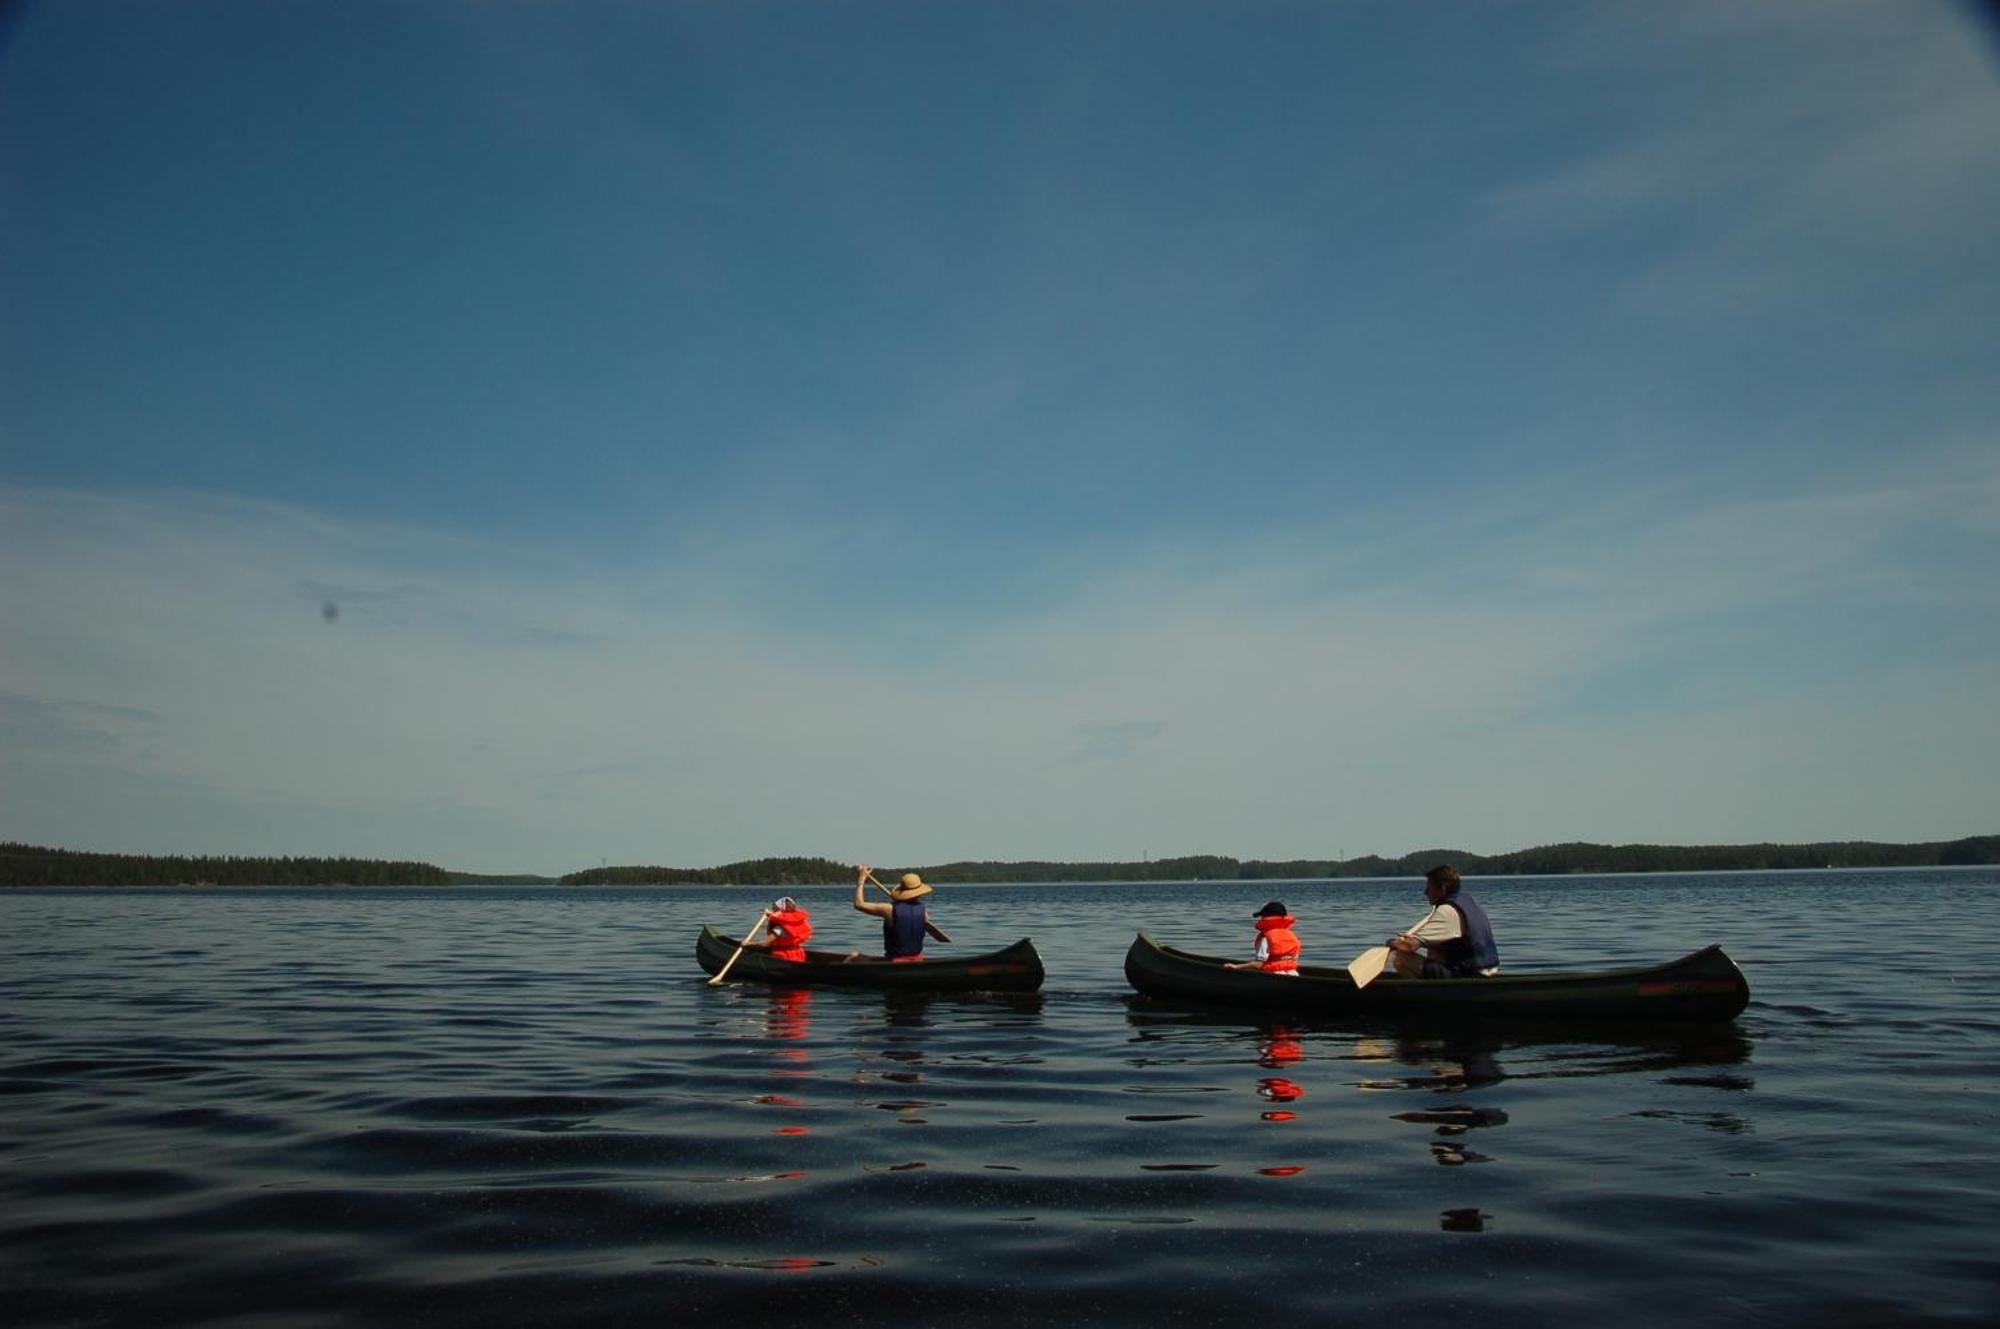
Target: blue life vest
{"points": [[903, 929], [1473, 949]]}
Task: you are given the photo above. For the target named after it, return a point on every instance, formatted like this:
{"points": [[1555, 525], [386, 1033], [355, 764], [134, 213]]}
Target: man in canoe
{"points": [[1455, 938], [1277, 945], [904, 919]]}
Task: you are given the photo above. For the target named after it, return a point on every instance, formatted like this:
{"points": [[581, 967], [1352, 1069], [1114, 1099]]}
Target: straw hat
{"points": [[909, 888]]}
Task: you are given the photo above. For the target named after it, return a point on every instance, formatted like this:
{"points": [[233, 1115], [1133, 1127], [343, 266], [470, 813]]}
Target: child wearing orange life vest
{"points": [[789, 929], [1277, 944]]}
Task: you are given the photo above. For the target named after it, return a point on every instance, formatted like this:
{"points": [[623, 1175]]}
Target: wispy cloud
{"points": [[1114, 742], [62, 727], [1493, 690], [1782, 155]]}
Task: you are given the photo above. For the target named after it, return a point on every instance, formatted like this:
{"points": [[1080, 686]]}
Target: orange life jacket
{"points": [[789, 932], [1281, 944]]}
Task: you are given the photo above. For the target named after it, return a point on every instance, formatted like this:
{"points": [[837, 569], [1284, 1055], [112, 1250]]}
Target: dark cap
{"points": [[1275, 909]]}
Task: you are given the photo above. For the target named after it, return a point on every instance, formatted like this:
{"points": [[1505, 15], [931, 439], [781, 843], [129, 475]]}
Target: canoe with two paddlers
{"points": [[1703, 986], [1017, 968]]}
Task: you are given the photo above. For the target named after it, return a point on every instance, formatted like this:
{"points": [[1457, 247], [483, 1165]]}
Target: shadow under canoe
{"points": [[1017, 968], [1705, 985]]}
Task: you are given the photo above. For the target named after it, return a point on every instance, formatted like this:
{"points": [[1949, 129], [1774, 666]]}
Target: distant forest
{"points": [[29, 865], [1548, 860]]}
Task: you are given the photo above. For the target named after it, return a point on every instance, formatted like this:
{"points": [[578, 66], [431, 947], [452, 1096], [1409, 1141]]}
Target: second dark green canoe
{"points": [[1703, 986]]}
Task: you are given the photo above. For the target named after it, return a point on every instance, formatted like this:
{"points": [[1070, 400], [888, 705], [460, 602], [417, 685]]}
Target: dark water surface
{"points": [[525, 1106]]}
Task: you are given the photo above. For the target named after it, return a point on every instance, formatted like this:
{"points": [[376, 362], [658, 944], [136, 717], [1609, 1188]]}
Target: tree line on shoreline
{"points": [[31, 865]]}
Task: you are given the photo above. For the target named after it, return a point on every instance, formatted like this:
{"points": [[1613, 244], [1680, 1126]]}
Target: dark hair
{"points": [[1444, 875], [1275, 909]]}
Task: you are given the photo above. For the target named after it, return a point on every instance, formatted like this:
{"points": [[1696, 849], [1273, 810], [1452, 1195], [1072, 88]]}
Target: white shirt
{"points": [[1441, 924]]}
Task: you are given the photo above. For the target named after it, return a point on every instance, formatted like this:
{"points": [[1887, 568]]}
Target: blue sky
{"points": [[922, 431]]}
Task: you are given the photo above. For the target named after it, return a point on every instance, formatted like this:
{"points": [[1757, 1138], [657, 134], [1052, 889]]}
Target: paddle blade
{"points": [[1366, 967]]}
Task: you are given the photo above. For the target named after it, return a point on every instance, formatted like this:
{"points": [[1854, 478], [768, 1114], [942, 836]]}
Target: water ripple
{"points": [[506, 1107]]}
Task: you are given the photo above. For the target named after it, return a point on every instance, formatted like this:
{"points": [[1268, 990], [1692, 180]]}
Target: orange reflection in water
{"points": [[789, 1014], [1279, 1047], [791, 1264], [778, 1264], [1292, 1171], [787, 1020], [1277, 1089]]}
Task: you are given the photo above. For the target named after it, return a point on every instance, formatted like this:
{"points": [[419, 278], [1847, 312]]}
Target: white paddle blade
{"points": [[1366, 967]]}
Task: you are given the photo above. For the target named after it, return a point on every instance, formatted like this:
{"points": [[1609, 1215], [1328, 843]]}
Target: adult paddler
{"points": [[904, 918], [1454, 940]]}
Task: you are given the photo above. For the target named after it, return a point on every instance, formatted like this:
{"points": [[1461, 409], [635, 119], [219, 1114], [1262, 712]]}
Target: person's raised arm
{"points": [[861, 900]]}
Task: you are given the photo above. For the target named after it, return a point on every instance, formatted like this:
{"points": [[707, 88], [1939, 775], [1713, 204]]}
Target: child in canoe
{"points": [[790, 927], [1277, 945]]}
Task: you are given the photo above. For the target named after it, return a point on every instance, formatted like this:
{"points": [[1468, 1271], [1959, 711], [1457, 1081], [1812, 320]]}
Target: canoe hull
{"points": [[1017, 968], [1702, 987]]}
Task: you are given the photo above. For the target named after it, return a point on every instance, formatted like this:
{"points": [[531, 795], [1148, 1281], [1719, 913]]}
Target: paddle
{"points": [[1366, 967], [755, 928], [929, 926]]}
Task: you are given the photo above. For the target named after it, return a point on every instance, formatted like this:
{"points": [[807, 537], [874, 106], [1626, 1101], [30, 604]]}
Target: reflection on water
{"points": [[899, 1060], [1444, 1065], [789, 1017], [1457, 1121], [1470, 1068], [787, 1024], [1463, 1220], [783, 1264], [1278, 1046], [1448, 1064], [1655, 1051]]}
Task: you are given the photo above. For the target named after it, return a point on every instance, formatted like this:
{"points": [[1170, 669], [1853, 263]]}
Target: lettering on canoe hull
{"points": [[1687, 987]]}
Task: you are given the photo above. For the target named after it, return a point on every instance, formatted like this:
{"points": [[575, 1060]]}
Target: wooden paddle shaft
{"points": [[730, 963]]}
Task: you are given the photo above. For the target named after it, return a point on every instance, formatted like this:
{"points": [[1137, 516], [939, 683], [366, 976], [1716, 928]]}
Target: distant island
{"points": [[31, 865]]}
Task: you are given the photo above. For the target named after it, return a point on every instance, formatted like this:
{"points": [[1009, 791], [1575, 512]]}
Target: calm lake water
{"points": [[525, 1106]]}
